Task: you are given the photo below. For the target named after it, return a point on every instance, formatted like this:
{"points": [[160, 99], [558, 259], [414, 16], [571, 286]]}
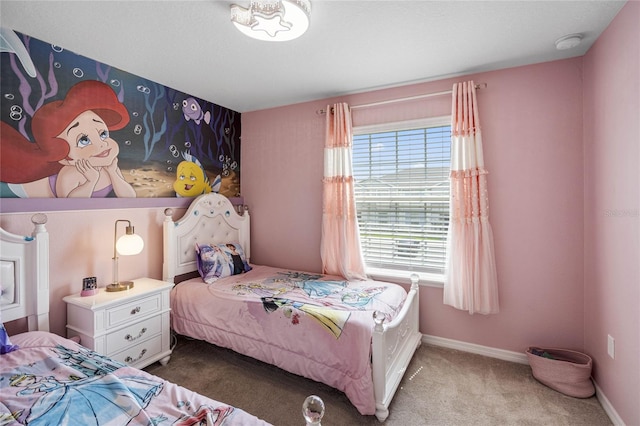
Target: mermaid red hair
{"points": [[22, 160]]}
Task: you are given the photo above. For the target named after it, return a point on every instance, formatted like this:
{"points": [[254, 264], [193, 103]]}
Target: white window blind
{"points": [[402, 194]]}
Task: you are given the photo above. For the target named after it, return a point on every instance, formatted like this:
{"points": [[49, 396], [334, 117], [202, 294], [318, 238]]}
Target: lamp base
{"points": [[120, 286]]}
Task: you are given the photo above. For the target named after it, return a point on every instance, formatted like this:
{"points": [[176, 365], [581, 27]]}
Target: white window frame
{"points": [[401, 276]]}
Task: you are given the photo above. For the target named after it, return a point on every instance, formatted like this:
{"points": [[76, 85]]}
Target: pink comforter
{"points": [[54, 381], [315, 326]]}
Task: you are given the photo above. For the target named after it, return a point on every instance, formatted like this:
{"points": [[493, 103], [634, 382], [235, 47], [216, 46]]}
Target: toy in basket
{"points": [[563, 370]]}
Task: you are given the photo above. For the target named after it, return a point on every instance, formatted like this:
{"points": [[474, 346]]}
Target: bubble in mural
{"points": [[143, 89], [16, 113], [56, 48], [78, 72]]}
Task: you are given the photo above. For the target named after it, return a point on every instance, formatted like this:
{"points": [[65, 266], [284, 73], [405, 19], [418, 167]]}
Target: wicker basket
{"points": [[566, 371]]}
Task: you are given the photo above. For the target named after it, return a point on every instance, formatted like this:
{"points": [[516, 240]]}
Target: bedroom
{"points": [[567, 270]]}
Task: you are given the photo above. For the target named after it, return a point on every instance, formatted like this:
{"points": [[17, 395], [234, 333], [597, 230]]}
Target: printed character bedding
{"points": [[50, 380], [316, 326]]}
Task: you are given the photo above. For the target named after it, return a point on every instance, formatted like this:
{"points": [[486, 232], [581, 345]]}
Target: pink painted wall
{"points": [[81, 245], [532, 134], [612, 209]]}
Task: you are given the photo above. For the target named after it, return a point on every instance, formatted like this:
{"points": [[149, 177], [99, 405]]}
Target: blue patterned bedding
{"points": [[50, 380]]}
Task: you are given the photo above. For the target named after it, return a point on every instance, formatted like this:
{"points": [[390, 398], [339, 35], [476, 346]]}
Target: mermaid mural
{"points": [[74, 127]]}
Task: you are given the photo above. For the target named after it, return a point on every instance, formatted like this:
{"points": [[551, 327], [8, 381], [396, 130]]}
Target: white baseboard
{"points": [[512, 356], [502, 354], [608, 408]]}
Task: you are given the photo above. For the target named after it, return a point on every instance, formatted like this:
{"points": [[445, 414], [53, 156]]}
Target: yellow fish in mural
{"points": [[191, 179]]}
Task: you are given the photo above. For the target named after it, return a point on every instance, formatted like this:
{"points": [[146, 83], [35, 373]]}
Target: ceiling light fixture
{"points": [[568, 41], [272, 20]]}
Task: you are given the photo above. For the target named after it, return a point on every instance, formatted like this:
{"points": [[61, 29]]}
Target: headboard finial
{"points": [[168, 212], [39, 219]]}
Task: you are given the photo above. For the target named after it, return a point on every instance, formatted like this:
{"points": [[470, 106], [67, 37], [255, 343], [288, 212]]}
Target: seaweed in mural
{"points": [[146, 132]]}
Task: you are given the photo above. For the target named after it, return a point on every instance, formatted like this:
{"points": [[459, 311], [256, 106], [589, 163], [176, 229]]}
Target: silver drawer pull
{"points": [[135, 310], [130, 338], [129, 360]]}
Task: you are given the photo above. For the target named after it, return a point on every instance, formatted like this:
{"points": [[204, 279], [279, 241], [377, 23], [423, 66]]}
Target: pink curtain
{"points": [[471, 282], [340, 246]]}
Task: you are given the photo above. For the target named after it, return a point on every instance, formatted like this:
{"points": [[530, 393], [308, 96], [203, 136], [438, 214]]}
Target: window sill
{"points": [[403, 277]]}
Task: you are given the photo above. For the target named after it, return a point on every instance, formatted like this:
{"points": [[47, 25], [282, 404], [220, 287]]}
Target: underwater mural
{"points": [[75, 127]]}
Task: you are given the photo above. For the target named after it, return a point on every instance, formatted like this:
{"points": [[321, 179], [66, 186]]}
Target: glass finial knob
{"points": [[313, 410], [379, 317], [414, 279]]}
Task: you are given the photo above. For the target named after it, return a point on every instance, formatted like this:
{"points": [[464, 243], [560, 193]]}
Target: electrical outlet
{"points": [[611, 346]]}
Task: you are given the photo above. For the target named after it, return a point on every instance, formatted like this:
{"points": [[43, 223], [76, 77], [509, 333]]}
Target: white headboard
{"points": [[24, 275], [210, 219]]}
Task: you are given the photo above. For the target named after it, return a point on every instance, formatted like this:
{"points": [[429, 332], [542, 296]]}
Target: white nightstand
{"points": [[130, 326]]}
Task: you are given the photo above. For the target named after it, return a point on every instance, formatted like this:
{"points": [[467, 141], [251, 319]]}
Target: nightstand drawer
{"points": [[132, 326], [133, 310], [137, 354], [133, 334]]}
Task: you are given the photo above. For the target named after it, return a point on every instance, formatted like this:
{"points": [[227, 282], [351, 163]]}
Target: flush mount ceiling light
{"points": [[272, 20], [568, 41]]}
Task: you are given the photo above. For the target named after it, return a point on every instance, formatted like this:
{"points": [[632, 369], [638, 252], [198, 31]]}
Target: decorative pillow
{"points": [[212, 263], [5, 343], [235, 254], [220, 260]]}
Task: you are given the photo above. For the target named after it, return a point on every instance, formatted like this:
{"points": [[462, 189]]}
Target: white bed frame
{"points": [[24, 272], [211, 218]]}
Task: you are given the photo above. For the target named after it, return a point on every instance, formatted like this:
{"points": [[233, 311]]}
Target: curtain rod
{"points": [[410, 98]]}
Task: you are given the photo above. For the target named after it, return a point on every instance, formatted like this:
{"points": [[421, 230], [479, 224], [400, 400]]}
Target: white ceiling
{"points": [[351, 46]]}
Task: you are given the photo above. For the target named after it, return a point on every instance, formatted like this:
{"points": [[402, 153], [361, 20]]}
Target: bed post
{"points": [[393, 345], [244, 234], [39, 318], [168, 246], [379, 366]]}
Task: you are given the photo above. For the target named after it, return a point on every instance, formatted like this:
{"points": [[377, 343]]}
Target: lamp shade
{"points": [[129, 244]]}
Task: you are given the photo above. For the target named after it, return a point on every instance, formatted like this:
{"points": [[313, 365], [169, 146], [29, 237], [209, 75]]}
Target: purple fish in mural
{"points": [[192, 111]]}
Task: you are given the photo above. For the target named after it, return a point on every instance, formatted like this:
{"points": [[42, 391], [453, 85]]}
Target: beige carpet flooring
{"points": [[441, 387]]}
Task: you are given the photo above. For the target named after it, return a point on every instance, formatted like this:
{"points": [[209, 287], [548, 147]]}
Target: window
{"points": [[402, 196]]}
